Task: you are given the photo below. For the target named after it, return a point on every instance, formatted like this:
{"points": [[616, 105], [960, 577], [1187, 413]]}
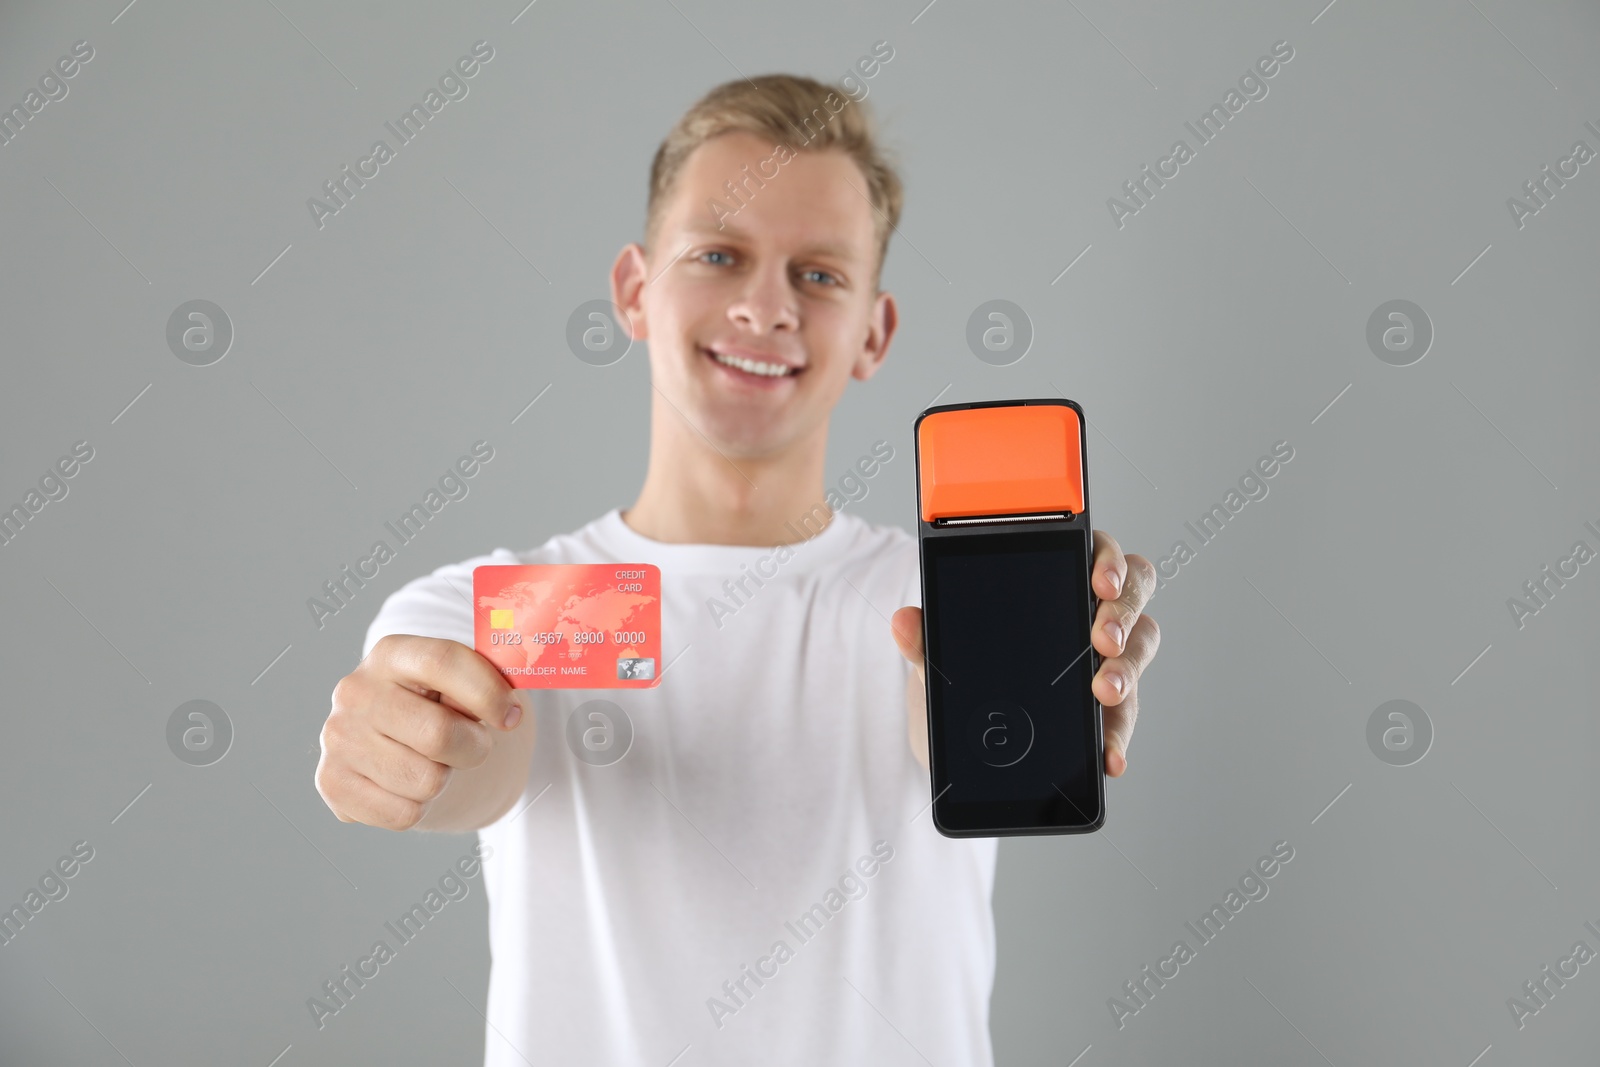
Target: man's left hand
{"points": [[1123, 634]]}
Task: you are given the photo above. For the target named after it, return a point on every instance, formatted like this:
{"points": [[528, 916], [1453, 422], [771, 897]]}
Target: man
{"points": [[754, 882]]}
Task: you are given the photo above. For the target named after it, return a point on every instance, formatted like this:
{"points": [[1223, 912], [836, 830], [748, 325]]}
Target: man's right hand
{"points": [[423, 733]]}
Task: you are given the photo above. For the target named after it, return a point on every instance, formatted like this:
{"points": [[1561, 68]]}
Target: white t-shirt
{"points": [[757, 879]]}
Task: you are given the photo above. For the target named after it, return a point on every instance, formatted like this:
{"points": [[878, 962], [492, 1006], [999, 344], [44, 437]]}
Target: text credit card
{"points": [[570, 625]]}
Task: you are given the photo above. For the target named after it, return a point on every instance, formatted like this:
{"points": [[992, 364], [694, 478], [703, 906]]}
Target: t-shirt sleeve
{"points": [[433, 605], [911, 570]]}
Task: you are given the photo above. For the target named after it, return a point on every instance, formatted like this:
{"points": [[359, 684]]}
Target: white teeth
{"points": [[771, 370]]}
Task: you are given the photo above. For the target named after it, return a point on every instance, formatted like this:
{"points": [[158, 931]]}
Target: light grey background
{"points": [[1226, 316]]}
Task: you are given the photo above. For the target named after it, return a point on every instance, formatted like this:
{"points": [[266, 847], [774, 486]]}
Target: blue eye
{"points": [[820, 274], [703, 255]]}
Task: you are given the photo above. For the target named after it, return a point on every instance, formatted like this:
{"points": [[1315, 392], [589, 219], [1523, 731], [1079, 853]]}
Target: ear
{"points": [[880, 329], [628, 279]]}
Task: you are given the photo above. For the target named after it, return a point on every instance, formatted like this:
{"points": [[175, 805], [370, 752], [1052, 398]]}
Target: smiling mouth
{"points": [[753, 367]]}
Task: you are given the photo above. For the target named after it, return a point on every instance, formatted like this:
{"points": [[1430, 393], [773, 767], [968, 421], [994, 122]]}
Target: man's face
{"points": [[786, 283]]}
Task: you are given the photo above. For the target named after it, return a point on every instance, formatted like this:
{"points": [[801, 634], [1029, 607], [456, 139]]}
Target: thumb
{"points": [[907, 626]]}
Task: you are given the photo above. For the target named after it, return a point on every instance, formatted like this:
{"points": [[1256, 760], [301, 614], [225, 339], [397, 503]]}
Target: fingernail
{"points": [[514, 716], [1114, 630], [1116, 582], [1115, 680]]}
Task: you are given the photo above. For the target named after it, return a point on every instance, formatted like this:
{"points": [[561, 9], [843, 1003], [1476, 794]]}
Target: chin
{"points": [[745, 434]]}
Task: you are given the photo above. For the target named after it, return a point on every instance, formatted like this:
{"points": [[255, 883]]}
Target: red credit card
{"points": [[570, 625]]}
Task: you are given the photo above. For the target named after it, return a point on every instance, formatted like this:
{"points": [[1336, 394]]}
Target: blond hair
{"points": [[797, 112]]}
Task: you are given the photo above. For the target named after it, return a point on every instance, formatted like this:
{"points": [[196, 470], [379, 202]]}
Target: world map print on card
{"points": [[570, 625]]}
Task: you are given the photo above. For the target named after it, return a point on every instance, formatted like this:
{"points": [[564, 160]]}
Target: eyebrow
{"points": [[821, 248]]}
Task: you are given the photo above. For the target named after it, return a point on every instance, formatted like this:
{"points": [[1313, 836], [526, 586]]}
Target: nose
{"points": [[766, 302]]}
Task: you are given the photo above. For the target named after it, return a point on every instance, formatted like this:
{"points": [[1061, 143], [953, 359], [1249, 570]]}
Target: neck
{"points": [[694, 494]]}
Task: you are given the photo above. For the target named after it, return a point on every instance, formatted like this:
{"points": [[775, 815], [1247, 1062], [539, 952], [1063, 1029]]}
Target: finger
{"points": [[1119, 675], [430, 729], [907, 626], [1110, 568], [356, 798], [463, 678], [1116, 618], [400, 770], [1119, 722], [1121, 706]]}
